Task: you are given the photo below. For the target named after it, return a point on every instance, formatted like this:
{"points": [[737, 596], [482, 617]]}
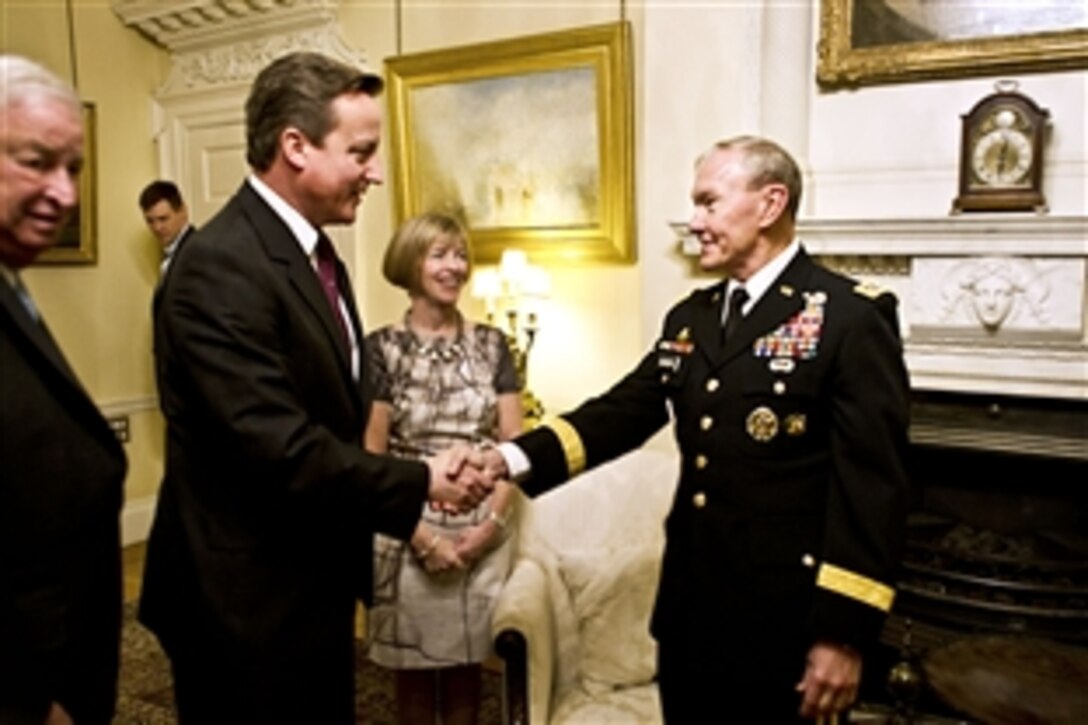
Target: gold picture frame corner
{"points": [[841, 66], [77, 244]]}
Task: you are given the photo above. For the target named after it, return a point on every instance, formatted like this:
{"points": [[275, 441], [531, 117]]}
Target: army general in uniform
{"points": [[790, 407]]}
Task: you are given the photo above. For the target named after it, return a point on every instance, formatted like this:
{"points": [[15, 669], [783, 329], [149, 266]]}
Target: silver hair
{"points": [[765, 163], [22, 79]]}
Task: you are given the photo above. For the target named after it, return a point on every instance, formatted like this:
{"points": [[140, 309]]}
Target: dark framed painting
{"points": [[886, 41], [528, 141], [77, 243]]}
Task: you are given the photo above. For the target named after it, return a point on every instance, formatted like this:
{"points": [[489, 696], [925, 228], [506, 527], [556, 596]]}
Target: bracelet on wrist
{"points": [[500, 521], [429, 549]]}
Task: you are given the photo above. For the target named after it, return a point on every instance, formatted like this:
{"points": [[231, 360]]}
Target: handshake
{"points": [[463, 475]]}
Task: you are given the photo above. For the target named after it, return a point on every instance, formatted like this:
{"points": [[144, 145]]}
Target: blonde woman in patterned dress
{"points": [[439, 380]]}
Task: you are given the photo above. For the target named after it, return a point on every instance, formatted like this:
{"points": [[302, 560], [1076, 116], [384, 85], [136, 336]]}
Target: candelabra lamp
{"points": [[512, 293]]}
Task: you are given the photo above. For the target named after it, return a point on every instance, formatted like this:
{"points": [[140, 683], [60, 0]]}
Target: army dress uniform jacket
{"points": [[791, 503]]}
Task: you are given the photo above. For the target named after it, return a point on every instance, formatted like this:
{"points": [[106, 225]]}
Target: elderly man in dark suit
{"points": [[261, 543], [791, 418], [61, 468]]}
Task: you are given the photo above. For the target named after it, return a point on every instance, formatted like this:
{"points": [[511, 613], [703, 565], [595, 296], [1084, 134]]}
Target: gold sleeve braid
{"points": [[571, 443], [858, 587]]}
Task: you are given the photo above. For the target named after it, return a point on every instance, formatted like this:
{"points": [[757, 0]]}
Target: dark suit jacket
{"points": [[262, 537], [61, 483], [790, 510]]}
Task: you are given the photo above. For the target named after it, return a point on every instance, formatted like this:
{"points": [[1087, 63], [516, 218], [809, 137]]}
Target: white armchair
{"points": [[572, 623]]}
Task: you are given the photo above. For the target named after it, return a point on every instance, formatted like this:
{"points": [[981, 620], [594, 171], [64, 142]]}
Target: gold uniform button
{"points": [[808, 560], [779, 387], [712, 385], [701, 461], [706, 422], [699, 500]]}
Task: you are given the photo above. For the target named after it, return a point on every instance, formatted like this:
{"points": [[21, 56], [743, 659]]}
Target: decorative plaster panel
{"points": [[223, 43], [999, 299]]}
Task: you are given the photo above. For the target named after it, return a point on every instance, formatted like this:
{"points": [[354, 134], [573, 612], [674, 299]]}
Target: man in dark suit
{"points": [[167, 216], [261, 542], [791, 419], [61, 469]]}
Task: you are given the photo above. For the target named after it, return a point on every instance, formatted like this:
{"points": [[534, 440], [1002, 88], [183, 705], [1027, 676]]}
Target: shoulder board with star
{"points": [[870, 289]]}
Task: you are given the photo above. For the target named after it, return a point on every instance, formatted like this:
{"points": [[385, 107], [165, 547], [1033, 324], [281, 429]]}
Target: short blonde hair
{"points": [[404, 256]]}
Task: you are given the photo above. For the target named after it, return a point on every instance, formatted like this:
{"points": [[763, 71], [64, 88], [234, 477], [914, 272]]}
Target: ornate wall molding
{"points": [[222, 43], [989, 234], [867, 265]]}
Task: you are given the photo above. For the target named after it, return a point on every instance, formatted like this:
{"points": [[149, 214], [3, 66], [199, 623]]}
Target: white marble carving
{"points": [[998, 296]]}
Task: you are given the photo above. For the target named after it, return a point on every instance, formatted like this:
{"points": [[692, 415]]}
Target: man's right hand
{"points": [[460, 478]]}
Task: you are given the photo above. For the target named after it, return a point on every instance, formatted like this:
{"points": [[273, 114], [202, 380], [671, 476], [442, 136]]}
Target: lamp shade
{"points": [[486, 284], [512, 266], [537, 283]]}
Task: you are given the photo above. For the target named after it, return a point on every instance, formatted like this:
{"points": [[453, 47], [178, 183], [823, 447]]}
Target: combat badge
{"points": [[671, 354], [762, 424], [682, 344]]}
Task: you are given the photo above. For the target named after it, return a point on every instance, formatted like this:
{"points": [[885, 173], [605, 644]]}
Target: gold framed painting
{"points": [[528, 141], [866, 42], [77, 243]]}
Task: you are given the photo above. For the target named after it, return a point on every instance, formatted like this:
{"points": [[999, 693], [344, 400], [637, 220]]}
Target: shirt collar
{"points": [[303, 230], [173, 245], [762, 280]]}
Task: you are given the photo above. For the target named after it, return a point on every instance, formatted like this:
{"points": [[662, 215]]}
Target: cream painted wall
{"points": [[100, 313]]}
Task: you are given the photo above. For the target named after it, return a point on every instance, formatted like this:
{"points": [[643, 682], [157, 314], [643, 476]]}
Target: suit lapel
{"points": [[36, 333], [40, 341], [284, 249], [782, 300]]}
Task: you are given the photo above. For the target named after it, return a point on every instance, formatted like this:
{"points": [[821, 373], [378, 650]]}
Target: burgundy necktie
{"points": [[326, 271]]}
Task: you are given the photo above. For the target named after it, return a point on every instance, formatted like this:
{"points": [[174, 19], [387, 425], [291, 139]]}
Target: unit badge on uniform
{"points": [[762, 424], [795, 424], [670, 353], [798, 337]]}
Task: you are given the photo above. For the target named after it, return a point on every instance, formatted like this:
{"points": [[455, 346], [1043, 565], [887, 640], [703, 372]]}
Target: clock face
{"points": [[1001, 155]]}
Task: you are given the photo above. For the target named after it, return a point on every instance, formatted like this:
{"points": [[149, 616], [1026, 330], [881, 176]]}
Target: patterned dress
{"points": [[443, 391]]}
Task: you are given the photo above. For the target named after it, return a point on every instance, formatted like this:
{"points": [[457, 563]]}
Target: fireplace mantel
{"points": [[990, 303], [976, 234]]}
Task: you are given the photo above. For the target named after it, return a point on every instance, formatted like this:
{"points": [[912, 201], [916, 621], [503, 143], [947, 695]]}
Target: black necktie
{"points": [[735, 314], [326, 270]]}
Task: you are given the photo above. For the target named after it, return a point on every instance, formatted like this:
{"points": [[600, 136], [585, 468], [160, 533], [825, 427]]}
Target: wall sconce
{"points": [[512, 294], [687, 242]]}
